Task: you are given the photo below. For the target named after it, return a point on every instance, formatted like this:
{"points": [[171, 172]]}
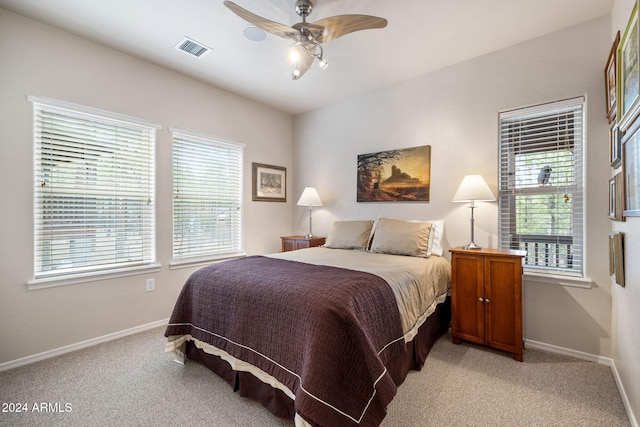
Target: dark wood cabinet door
{"points": [[503, 303], [466, 293]]}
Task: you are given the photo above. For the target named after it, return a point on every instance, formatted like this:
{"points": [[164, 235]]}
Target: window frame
{"points": [[188, 137], [507, 194], [95, 270]]}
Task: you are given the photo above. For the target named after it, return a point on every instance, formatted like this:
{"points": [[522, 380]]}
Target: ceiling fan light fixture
{"points": [[302, 53], [295, 52]]}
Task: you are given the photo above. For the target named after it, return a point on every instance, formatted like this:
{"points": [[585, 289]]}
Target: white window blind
{"points": [[94, 191], [541, 204], [207, 197]]}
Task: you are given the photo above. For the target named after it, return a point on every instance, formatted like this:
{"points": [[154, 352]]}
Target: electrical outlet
{"points": [[150, 285]]}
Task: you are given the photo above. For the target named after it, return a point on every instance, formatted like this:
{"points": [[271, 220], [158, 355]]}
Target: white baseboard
{"points": [[623, 394], [568, 352], [592, 358], [79, 346]]}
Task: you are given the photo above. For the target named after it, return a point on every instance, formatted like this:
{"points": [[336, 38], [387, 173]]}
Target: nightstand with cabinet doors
{"points": [[292, 243], [486, 298]]}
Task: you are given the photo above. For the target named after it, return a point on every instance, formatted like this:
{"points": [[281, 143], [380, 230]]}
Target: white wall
{"points": [[455, 110], [626, 301], [39, 60]]}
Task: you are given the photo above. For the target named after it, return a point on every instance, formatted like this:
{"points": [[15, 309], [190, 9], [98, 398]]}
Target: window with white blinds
{"points": [[207, 198], [541, 204], [94, 191]]}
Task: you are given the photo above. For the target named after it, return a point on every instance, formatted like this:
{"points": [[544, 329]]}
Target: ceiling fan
{"points": [[308, 37]]}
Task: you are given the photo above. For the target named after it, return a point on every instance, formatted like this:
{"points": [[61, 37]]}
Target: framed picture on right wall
{"points": [[615, 150], [628, 64], [616, 198], [630, 169], [610, 80], [616, 258]]}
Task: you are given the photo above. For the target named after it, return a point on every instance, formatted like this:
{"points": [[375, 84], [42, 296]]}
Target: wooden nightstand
{"points": [[291, 243], [486, 298]]}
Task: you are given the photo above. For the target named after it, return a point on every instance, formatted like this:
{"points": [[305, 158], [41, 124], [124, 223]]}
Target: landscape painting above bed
{"points": [[402, 175]]}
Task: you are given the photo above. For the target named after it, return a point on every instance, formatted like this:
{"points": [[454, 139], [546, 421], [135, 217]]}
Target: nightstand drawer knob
{"points": [[480, 299], [486, 300]]}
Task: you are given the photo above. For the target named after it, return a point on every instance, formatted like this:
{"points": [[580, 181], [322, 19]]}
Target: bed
{"points": [[325, 335]]}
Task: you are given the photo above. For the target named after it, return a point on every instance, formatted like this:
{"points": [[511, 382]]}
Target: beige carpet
{"points": [[131, 382]]}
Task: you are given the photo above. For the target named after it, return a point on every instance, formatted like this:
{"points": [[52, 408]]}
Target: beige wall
{"points": [[626, 301], [41, 61], [455, 110]]}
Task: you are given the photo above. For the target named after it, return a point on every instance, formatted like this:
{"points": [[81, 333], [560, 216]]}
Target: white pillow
{"points": [[349, 234], [437, 230], [397, 237]]}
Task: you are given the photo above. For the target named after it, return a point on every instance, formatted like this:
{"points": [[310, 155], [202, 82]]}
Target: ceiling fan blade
{"points": [[338, 26], [272, 27]]}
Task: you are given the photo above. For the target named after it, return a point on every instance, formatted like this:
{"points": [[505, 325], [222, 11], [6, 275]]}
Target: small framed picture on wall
{"points": [[269, 183], [616, 198], [616, 258], [610, 79], [628, 83], [615, 148], [631, 170]]}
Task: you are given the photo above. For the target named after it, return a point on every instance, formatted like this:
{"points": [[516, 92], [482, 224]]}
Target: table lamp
{"points": [[310, 197], [473, 188]]}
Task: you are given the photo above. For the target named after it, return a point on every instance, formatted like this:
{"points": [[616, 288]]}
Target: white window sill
{"points": [[191, 262], [558, 279], [55, 281]]}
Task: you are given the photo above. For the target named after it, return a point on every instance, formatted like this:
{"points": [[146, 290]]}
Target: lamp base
{"points": [[472, 246], [309, 236]]}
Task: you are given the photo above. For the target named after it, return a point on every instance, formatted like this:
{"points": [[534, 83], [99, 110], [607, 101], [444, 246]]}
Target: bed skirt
{"points": [[281, 405]]}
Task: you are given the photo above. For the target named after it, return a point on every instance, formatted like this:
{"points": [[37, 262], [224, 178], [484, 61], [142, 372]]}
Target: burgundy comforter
{"points": [[324, 332]]}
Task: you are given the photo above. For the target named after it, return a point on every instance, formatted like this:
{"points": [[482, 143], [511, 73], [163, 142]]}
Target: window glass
{"points": [[207, 197], [94, 192], [541, 185]]}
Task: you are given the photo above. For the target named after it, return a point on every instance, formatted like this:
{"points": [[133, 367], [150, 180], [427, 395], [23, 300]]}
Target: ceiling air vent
{"points": [[192, 47]]}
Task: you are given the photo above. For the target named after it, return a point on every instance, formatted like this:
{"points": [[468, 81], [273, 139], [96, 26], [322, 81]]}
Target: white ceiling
{"points": [[422, 36]]}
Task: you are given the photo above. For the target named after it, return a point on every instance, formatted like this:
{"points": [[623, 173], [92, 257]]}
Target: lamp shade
{"points": [[473, 188], [310, 197]]}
